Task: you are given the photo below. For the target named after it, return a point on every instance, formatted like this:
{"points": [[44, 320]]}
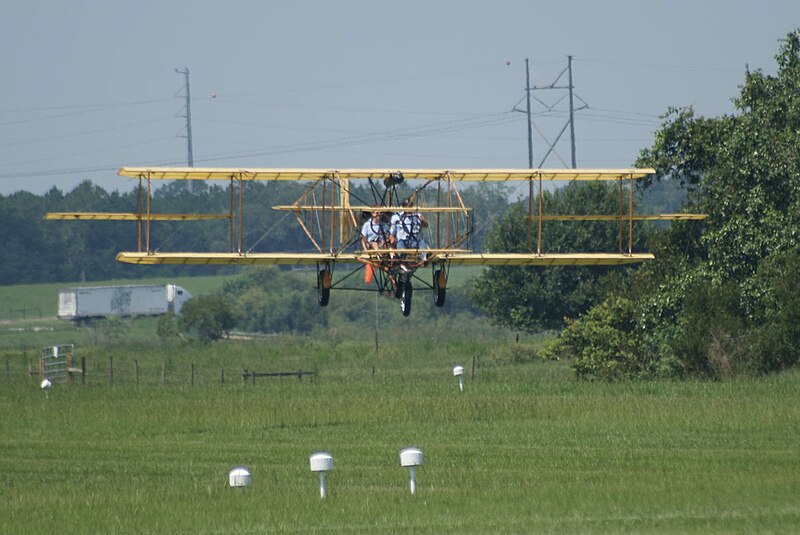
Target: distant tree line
{"points": [[37, 251]]}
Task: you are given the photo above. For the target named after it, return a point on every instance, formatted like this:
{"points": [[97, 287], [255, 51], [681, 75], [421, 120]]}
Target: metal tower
{"points": [[548, 108]]}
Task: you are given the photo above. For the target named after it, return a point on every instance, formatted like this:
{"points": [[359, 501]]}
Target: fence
{"points": [[24, 313], [253, 375], [57, 363]]}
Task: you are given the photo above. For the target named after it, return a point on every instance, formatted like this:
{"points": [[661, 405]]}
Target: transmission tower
{"points": [[551, 108], [186, 113]]}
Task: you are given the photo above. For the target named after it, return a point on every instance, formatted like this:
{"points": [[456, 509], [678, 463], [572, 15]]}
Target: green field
{"points": [[39, 303], [35, 301], [525, 449], [41, 300]]}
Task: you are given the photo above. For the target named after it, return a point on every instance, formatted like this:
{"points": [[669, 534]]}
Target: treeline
{"points": [[723, 298], [270, 300], [38, 251]]}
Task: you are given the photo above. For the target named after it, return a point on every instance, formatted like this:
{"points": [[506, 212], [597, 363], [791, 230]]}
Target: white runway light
{"points": [[458, 372], [239, 477], [46, 384], [411, 458], [321, 462]]}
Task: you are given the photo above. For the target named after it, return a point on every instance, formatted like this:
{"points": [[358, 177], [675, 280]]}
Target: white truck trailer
{"points": [[134, 300]]}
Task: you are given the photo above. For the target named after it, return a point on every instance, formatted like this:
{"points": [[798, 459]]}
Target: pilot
{"points": [[406, 228], [374, 232]]}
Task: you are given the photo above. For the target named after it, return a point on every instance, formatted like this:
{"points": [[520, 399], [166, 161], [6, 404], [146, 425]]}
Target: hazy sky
{"points": [[89, 86]]}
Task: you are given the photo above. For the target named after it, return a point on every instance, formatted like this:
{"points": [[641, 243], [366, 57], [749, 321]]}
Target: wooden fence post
{"points": [[222, 376], [191, 374], [83, 370], [110, 370], [164, 372], [136, 370]]}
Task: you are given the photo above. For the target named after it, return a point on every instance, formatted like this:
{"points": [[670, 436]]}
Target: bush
{"points": [[602, 343], [209, 317], [775, 343], [711, 330]]}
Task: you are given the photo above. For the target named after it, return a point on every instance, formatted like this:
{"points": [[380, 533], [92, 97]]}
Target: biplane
{"points": [[332, 213]]}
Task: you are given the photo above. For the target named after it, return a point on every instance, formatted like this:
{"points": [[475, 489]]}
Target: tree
{"points": [[209, 317], [271, 300], [535, 298], [722, 297]]}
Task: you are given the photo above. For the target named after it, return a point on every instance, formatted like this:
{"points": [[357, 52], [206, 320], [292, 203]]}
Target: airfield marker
{"points": [[46, 384], [458, 372], [321, 462], [239, 477], [411, 458]]}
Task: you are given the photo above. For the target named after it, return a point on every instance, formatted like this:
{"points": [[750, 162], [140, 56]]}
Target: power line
{"points": [[480, 121], [80, 110], [82, 133], [374, 137]]}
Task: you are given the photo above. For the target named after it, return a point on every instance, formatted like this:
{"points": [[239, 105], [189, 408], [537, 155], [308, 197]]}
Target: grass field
{"points": [[41, 300], [525, 449]]}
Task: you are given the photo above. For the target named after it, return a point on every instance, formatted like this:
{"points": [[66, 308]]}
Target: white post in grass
{"points": [[411, 458], [239, 477], [458, 372], [321, 462], [46, 384]]}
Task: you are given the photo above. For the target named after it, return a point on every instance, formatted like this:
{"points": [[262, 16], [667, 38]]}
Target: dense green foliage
{"points": [[50, 251], [36, 251], [210, 317], [722, 297], [534, 298], [270, 300]]}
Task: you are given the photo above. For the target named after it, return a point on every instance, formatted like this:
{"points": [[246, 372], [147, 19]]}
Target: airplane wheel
{"points": [[399, 285], [439, 287], [405, 298], [323, 287]]}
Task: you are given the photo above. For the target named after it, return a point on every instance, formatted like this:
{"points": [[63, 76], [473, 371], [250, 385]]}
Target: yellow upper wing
{"points": [[479, 175]]}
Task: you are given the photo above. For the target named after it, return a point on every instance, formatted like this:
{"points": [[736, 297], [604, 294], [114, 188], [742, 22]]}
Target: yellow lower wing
{"points": [[532, 259], [454, 258], [234, 258]]}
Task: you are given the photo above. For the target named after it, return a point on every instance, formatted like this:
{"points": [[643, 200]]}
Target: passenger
{"points": [[406, 227], [374, 232]]}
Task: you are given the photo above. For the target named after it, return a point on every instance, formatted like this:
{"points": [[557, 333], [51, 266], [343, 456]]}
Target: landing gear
{"points": [[399, 285], [323, 286], [439, 287], [405, 297]]}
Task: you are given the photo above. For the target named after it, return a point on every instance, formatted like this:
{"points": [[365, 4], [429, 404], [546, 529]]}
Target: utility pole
{"points": [[187, 109], [551, 108], [528, 111], [571, 112]]}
